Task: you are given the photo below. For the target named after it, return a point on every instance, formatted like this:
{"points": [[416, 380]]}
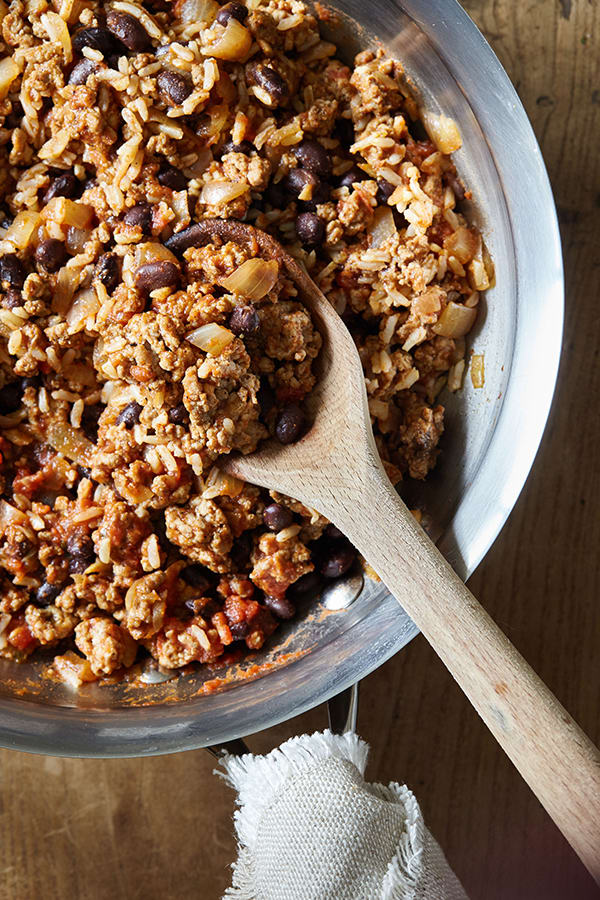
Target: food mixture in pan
{"points": [[133, 356]]}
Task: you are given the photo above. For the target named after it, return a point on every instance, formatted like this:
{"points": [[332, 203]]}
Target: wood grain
{"points": [[161, 828]]}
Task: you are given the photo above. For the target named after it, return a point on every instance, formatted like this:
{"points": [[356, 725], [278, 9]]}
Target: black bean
{"points": [[89, 421], [129, 31], [139, 215], [310, 229], [350, 177], [47, 593], [154, 275], [10, 397], [245, 147], [200, 606], [81, 553], [196, 576], [178, 415], [296, 180], [64, 185], [308, 584], [34, 381], [130, 416], [97, 38], [280, 607], [51, 254], [277, 517], [172, 178], [23, 548], [269, 80], [333, 532], [313, 156], [244, 320], [202, 125], [12, 271], [384, 190], [12, 298], [239, 630], [291, 423], [173, 87], [81, 71], [337, 559], [232, 11], [193, 236], [107, 271]]}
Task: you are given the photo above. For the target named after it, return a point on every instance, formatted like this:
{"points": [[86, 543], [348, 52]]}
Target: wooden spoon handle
{"points": [[554, 756]]}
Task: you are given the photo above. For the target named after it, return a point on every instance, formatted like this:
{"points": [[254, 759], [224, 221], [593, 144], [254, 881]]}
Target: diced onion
{"points": [[179, 205], [383, 227], [379, 408], [10, 515], [8, 72], [456, 320], [209, 129], [443, 132], [481, 269], [205, 158], [463, 244], [211, 338], [150, 251], [222, 191], [73, 669], [21, 231], [428, 303], [253, 279], [57, 30], [69, 441], [203, 12], [477, 371], [220, 484], [233, 44], [85, 304], [225, 88], [5, 620], [455, 375], [76, 239], [68, 212]]}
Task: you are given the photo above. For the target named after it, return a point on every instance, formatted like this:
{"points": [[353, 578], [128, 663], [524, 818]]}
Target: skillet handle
{"points": [[236, 747], [341, 712]]}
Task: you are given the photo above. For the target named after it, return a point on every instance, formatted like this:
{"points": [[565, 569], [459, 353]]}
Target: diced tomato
{"points": [[21, 637]]}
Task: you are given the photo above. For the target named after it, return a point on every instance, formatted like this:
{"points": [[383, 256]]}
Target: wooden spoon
{"points": [[335, 468]]}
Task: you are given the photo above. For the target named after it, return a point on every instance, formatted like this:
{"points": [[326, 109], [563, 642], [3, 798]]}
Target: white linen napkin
{"points": [[310, 828]]}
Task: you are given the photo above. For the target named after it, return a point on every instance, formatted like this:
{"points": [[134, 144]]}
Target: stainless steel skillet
{"points": [[492, 434]]}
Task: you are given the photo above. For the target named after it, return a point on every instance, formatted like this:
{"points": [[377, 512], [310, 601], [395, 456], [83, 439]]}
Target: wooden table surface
{"points": [[161, 828]]}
